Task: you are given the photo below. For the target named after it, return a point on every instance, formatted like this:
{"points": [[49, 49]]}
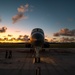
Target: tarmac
{"points": [[53, 62]]}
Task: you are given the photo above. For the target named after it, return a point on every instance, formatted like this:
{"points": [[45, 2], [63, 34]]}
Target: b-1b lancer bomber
{"points": [[37, 41]]}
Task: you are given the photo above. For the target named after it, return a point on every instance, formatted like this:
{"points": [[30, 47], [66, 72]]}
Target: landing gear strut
{"points": [[37, 57]]}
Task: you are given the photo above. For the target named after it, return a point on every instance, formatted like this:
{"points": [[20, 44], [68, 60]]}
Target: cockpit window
{"points": [[41, 31], [37, 30]]}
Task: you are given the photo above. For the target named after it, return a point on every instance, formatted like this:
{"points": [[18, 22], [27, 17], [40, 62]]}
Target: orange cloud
{"points": [[9, 35], [21, 11], [65, 32], [56, 34], [18, 17], [63, 39], [3, 29]]}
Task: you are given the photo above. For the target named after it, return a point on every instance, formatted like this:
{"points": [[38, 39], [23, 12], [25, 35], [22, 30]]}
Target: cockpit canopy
{"points": [[37, 30]]}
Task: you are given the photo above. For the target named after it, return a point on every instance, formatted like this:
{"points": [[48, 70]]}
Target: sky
{"points": [[55, 17]]}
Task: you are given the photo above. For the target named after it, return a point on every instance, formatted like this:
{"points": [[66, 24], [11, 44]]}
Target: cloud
{"points": [[3, 29], [19, 39], [21, 11], [23, 38], [5, 39], [12, 39], [10, 35], [1, 39], [65, 32], [56, 34], [20, 36], [63, 39], [18, 17]]}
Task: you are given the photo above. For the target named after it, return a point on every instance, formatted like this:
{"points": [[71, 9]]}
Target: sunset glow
{"points": [[56, 18]]}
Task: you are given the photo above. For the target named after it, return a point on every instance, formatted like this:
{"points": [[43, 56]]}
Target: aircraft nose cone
{"points": [[37, 39]]}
